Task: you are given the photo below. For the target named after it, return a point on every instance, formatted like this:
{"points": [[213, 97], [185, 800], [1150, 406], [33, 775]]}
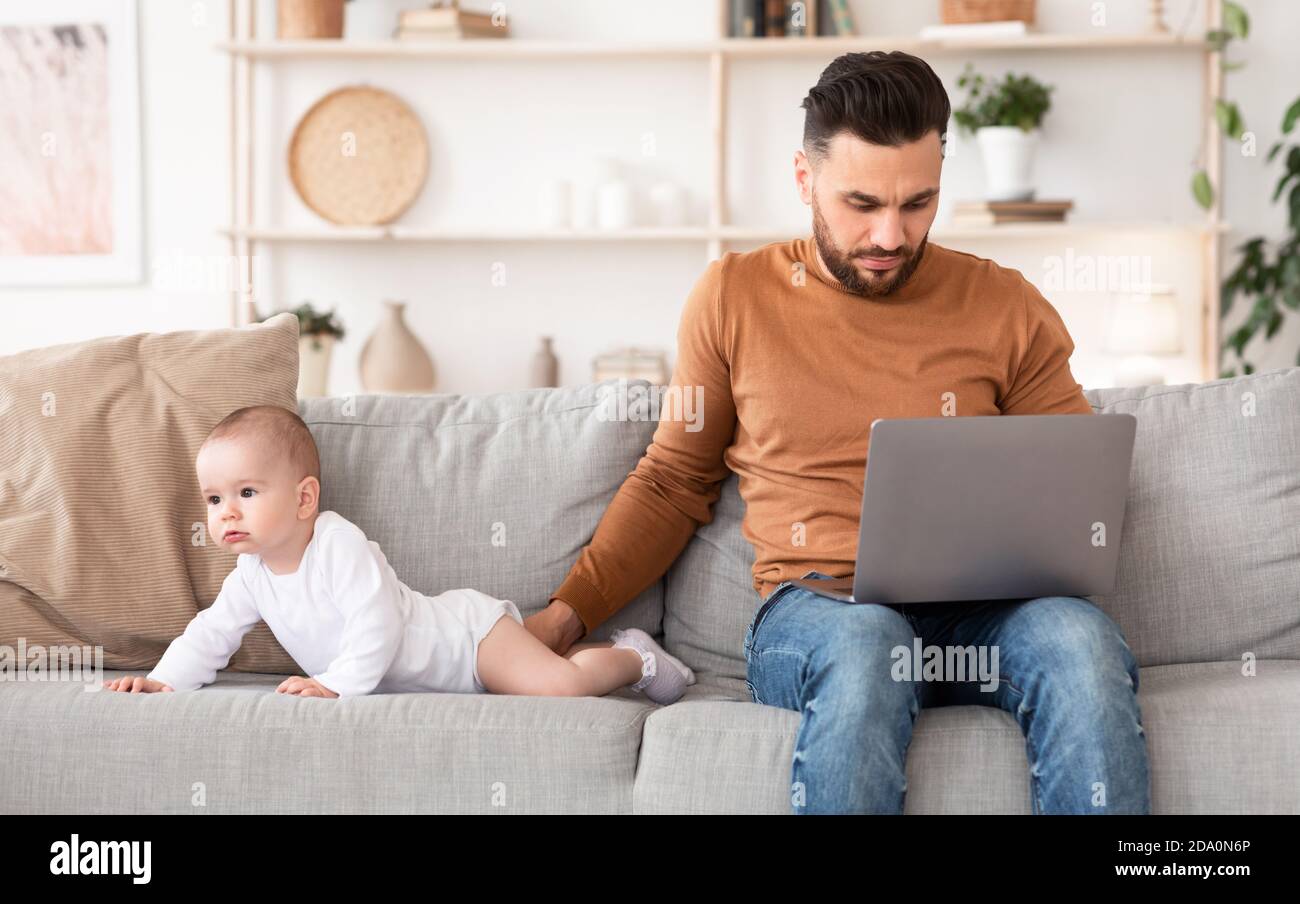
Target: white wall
{"points": [[1121, 141]]}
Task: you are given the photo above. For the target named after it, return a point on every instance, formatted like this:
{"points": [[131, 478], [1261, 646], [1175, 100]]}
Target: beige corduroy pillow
{"points": [[103, 531]]}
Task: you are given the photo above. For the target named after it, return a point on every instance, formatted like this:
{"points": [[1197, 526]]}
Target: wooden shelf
{"points": [[738, 48], [689, 233], [410, 234], [724, 58]]}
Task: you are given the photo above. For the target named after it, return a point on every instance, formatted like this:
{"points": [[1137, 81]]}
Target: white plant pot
{"points": [[1008, 153], [313, 365], [371, 20]]}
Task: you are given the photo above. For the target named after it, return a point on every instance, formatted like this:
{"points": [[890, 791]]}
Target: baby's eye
{"points": [[247, 492], [212, 500]]}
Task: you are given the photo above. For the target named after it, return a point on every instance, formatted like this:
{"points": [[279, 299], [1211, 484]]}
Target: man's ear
{"points": [[803, 176]]}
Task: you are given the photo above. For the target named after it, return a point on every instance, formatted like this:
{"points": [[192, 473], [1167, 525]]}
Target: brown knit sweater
{"points": [[793, 370]]}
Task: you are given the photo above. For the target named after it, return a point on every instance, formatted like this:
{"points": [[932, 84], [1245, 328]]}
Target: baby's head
{"points": [[259, 472]]}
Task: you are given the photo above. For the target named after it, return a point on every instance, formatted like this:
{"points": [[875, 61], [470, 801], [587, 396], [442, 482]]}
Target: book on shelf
{"points": [[995, 213], [449, 20], [975, 30], [841, 18], [742, 21], [774, 18], [451, 33], [800, 18], [441, 16]]}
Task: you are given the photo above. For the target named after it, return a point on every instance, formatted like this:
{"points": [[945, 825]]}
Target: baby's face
{"points": [[252, 498]]}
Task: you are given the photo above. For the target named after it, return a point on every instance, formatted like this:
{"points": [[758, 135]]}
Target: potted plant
{"points": [[1005, 117], [1267, 274], [317, 333]]}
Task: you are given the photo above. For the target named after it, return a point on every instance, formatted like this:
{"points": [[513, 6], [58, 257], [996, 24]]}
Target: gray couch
{"points": [[1209, 574]]}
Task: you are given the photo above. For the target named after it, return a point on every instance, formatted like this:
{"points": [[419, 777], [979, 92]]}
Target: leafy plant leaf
{"points": [[1202, 190], [1292, 114], [1235, 19], [1274, 324], [1229, 118]]}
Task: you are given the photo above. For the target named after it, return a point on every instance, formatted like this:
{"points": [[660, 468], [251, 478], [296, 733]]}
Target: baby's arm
{"points": [[210, 639], [373, 626]]}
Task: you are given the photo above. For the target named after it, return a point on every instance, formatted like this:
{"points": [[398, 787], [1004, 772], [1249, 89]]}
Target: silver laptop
{"points": [[989, 508]]}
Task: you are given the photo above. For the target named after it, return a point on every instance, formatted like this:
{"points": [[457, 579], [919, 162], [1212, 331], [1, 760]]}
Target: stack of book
{"points": [[788, 18], [447, 23], [995, 213]]}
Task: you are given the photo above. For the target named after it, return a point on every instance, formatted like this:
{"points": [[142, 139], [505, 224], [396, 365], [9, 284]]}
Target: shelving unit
{"points": [[246, 51], [396, 233], [740, 48]]}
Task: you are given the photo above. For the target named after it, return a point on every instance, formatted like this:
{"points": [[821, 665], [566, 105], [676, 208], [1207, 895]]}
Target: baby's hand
{"points": [[304, 687], [137, 684]]}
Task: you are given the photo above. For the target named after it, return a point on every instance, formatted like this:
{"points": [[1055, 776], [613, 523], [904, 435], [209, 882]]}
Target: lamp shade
{"points": [[1146, 323]]}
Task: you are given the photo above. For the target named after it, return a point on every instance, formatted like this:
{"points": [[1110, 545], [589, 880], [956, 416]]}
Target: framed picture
{"points": [[70, 195]]}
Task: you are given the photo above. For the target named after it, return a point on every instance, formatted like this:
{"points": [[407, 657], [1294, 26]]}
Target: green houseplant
{"points": [[317, 333], [1005, 117], [1267, 274]]}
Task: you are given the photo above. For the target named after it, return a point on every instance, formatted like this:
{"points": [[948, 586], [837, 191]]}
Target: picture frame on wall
{"points": [[71, 207]]}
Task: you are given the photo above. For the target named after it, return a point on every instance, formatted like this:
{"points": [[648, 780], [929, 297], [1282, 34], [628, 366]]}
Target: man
{"points": [[799, 346]]}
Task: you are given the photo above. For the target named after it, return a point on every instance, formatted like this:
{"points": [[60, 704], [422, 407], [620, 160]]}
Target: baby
{"points": [[336, 606]]}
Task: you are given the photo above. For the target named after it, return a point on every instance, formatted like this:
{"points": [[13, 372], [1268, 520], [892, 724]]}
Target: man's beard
{"points": [[841, 266]]}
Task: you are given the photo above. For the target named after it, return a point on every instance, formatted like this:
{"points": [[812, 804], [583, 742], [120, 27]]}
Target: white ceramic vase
{"points": [[371, 20], [314, 365], [1008, 153]]}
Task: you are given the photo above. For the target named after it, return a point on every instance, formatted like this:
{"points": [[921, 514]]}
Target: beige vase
{"points": [[393, 360], [296, 19]]}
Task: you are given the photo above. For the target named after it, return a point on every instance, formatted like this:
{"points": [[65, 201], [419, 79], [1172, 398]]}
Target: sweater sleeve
{"points": [[210, 639], [1042, 381], [674, 485], [373, 623]]}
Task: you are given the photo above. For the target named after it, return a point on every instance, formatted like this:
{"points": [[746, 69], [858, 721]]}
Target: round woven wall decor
{"points": [[359, 156]]}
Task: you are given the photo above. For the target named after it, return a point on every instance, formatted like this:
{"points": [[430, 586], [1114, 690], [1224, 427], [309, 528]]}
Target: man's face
{"points": [[872, 208]]}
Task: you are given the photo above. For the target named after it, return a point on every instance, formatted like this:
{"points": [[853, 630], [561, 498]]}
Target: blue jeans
{"points": [[1063, 670]]}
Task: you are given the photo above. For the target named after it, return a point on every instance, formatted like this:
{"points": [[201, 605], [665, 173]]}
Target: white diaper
{"points": [[439, 652]]}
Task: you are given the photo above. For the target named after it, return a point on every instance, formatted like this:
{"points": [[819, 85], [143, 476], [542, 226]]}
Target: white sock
{"points": [[660, 684]]}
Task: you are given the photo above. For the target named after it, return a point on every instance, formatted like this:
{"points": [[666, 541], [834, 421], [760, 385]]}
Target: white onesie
{"points": [[345, 618]]}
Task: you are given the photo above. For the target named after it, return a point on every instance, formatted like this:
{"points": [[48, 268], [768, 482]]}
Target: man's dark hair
{"points": [[883, 98]]}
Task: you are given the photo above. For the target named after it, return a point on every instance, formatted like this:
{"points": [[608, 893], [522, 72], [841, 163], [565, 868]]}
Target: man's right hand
{"points": [[558, 626]]}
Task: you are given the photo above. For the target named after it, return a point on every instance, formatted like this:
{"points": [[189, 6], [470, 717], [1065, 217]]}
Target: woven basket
{"points": [[359, 156], [962, 12]]}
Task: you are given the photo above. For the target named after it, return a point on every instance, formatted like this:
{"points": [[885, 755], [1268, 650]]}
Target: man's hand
{"points": [[557, 626], [304, 687], [137, 684]]}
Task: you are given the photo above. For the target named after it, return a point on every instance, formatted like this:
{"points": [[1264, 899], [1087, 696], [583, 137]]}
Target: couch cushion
{"points": [[256, 751], [102, 525], [1218, 742], [498, 492], [1209, 563], [709, 595]]}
